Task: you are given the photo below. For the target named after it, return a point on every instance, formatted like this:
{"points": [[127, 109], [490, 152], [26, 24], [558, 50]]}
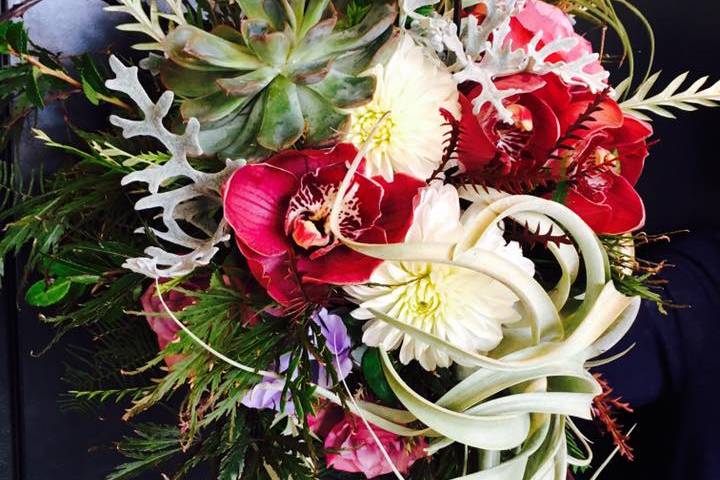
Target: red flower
{"points": [[177, 300], [561, 138], [160, 322], [280, 211]]}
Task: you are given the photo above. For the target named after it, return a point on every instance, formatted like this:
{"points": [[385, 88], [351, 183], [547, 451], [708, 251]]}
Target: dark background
{"points": [[670, 377]]}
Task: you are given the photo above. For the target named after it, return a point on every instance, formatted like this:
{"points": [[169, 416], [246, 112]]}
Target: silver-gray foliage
{"points": [[194, 203]]}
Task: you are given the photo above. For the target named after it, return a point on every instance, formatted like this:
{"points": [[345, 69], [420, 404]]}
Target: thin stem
{"points": [[60, 75], [457, 15], [19, 10]]}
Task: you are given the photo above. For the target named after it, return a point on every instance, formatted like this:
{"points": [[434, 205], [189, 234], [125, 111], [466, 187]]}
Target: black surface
{"points": [[669, 377]]}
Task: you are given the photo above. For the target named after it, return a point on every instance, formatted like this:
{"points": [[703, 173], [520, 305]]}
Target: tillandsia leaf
{"points": [[283, 79], [193, 203], [537, 376], [670, 97]]}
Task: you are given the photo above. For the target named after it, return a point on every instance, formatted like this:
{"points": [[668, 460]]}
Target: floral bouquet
{"points": [[369, 238]]}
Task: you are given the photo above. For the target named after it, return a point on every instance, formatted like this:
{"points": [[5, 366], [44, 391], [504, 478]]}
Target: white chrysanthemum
{"points": [[460, 306], [411, 89]]}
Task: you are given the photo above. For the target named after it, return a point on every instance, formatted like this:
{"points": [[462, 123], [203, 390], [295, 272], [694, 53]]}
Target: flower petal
{"points": [[256, 197], [397, 205]]}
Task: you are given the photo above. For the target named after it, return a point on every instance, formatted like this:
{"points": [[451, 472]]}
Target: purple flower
{"points": [[339, 344], [267, 394]]}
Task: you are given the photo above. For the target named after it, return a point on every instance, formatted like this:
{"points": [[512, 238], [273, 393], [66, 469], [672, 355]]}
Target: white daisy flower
{"points": [[411, 89], [465, 308]]}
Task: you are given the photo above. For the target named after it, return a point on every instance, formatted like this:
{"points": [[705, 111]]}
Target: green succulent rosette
{"points": [[284, 78]]}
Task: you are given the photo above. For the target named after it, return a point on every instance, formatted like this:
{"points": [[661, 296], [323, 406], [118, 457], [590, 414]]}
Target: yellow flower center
{"points": [[364, 121], [422, 298]]}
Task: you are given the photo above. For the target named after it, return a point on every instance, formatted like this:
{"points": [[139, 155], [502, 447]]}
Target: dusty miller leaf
{"points": [[193, 203], [481, 52]]}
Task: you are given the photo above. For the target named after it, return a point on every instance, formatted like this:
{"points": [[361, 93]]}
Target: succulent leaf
{"points": [[197, 84], [248, 84], [330, 122], [345, 90], [212, 107], [283, 78], [217, 51], [282, 123], [271, 48], [313, 14]]}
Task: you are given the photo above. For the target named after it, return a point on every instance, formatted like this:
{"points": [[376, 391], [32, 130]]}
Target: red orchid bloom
{"points": [[280, 212], [560, 135]]}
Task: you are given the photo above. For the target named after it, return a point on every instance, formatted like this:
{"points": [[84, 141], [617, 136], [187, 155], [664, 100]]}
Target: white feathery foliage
{"points": [[193, 203], [148, 23], [670, 97], [481, 52], [500, 59]]}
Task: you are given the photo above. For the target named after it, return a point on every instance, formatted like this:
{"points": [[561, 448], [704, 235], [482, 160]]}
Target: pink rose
{"points": [[538, 16], [351, 447], [160, 322]]}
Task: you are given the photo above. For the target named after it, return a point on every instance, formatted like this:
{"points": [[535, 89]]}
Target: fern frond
{"points": [[671, 97], [148, 22]]}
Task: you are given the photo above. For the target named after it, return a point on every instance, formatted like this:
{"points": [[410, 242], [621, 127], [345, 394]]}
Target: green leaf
{"points": [[83, 279], [6, 73], [60, 268], [373, 371], [354, 13], [33, 89], [561, 192], [4, 26], [210, 49], [427, 10], [17, 37], [90, 92], [42, 294], [323, 122], [283, 123], [233, 464], [345, 90], [90, 73]]}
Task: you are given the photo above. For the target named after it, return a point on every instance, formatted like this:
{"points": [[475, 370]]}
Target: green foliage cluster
{"points": [[35, 77], [633, 276]]}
